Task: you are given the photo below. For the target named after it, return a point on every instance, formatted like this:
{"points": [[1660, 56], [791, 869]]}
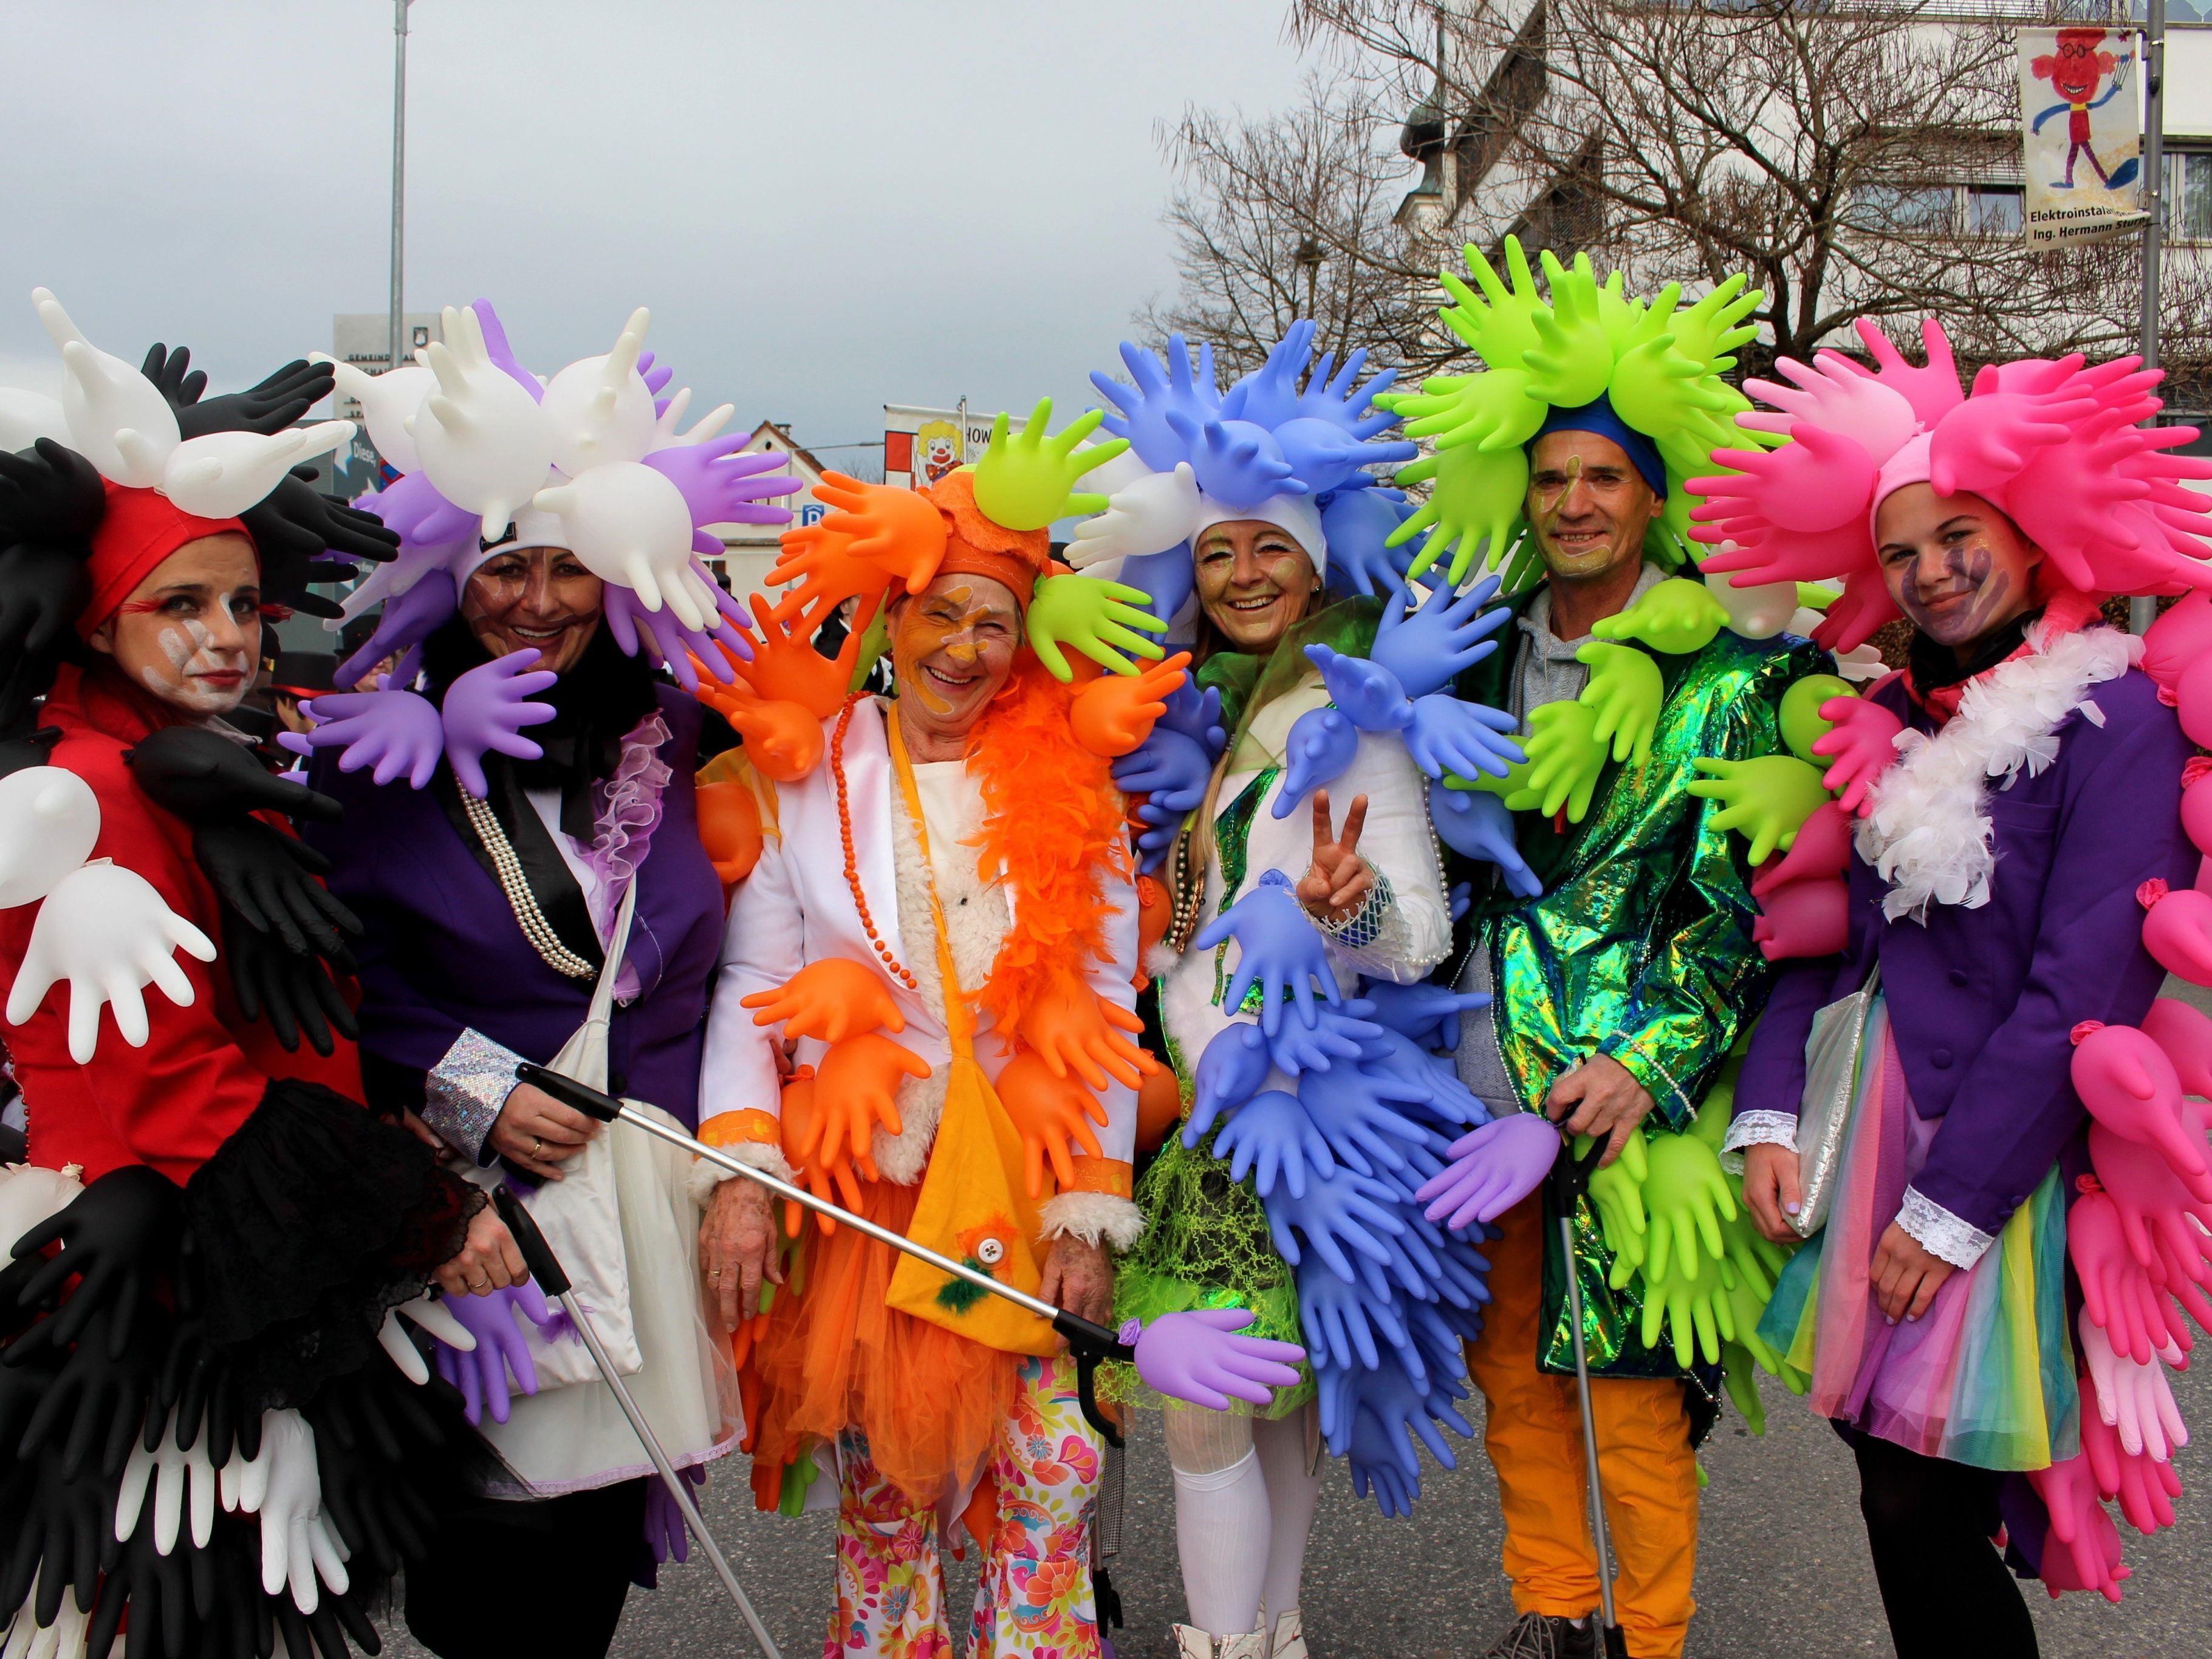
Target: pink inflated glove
{"points": [[1822, 850], [2135, 1399], [2178, 639], [2192, 700], [2082, 1551], [2185, 1034], [2146, 1487], [1860, 745], [2197, 805], [1863, 610], [2130, 1087], [2159, 1214], [2117, 1292], [2178, 929], [1807, 918]]}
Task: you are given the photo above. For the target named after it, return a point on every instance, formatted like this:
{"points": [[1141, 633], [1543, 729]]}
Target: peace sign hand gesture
{"points": [[1339, 880]]}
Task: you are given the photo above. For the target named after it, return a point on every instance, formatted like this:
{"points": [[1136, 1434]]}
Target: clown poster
{"points": [[2084, 131]]}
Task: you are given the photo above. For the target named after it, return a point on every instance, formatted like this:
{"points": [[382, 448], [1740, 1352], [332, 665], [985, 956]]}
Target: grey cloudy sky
{"points": [[830, 205]]}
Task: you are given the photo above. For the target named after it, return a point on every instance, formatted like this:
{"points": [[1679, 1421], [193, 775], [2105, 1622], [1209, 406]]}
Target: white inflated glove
{"points": [[1146, 515], [283, 1486], [107, 931], [2135, 1399], [172, 1472], [426, 1312], [63, 1639]]}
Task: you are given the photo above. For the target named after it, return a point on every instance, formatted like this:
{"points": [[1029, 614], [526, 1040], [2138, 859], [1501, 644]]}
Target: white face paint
{"points": [[206, 676]]}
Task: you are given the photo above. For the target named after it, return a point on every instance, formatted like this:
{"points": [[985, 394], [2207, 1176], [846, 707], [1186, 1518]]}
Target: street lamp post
{"points": [[399, 174]]}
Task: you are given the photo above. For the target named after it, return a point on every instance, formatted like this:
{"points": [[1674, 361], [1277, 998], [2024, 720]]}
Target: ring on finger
{"points": [[537, 1147]]}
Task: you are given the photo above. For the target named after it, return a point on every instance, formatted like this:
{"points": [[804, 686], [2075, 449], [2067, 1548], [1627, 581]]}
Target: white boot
{"points": [[1191, 1642], [1290, 1638]]}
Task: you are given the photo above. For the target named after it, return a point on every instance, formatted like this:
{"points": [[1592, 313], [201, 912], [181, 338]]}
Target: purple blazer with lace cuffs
{"points": [[1983, 1003]]}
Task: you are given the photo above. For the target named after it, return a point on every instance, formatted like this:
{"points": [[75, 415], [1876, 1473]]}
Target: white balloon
{"points": [[629, 523], [388, 402], [1755, 613], [482, 439], [219, 475], [118, 419], [107, 931], [27, 417], [1860, 663], [1148, 514], [600, 408], [1113, 476], [666, 434], [49, 820]]}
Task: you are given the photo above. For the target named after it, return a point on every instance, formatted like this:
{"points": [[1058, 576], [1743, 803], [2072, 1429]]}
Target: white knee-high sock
{"points": [[1293, 1489], [1221, 1534]]}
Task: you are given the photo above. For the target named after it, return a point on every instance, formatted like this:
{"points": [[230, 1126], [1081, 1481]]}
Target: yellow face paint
{"points": [[950, 624]]}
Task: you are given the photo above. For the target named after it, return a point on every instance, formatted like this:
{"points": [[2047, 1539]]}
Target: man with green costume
{"points": [[1617, 942]]}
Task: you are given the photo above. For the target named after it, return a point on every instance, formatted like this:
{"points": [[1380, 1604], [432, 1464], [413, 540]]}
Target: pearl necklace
{"points": [[519, 899]]}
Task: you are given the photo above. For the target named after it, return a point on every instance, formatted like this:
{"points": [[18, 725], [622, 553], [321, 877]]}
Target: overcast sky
{"points": [[829, 204]]}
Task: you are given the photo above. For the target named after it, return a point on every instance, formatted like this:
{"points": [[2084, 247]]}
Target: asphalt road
{"points": [[1782, 1567]]}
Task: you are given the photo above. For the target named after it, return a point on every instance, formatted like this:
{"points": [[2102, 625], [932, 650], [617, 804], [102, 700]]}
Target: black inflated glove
{"points": [[324, 1632], [374, 1506], [227, 1593], [49, 493], [21, 1387], [62, 1518], [173, 376], [277, 402], [44, 589], [96, 1401], [297, 520], [295, 994], [118, 1237], [202, 777], [156, 1590], [196, 1386], [33, 748]]}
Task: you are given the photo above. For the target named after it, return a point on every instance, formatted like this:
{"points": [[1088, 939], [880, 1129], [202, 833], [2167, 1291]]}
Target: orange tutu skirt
{"points": [[837, 1356]]}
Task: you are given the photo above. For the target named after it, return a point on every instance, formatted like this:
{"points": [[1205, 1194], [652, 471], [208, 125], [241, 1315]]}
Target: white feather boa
{"points": [[1929, 833]]}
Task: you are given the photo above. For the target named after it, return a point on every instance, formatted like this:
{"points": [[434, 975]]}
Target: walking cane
{"points": [[1570, 1179], [1089, 1343], [545, 1268]]}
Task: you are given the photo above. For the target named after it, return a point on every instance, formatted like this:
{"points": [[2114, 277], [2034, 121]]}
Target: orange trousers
{"points": [[1535, 1438]]}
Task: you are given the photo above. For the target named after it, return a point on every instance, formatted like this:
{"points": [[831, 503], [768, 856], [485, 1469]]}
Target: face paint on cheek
{"points": [[919, 638], [190, 649]]}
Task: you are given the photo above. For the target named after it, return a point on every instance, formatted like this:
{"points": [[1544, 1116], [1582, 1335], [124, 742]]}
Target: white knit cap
{"points": [[1295, 514], [532, 527]]}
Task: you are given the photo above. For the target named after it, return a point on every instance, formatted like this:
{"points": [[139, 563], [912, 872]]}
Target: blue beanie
{"points": [[1598, 417]]}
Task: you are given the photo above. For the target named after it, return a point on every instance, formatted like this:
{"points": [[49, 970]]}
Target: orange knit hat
{"points": [[978, 546]]}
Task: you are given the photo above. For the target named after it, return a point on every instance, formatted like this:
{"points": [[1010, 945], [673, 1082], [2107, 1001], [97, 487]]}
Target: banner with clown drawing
{"points": [[2082, 125]]}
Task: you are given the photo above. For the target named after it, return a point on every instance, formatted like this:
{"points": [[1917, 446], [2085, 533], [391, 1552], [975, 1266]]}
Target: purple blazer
{"points": [[1983, 1003], [443, 952]]}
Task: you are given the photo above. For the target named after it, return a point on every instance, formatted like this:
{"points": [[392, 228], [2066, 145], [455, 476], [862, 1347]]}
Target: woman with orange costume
{"points": [[942, 930]]}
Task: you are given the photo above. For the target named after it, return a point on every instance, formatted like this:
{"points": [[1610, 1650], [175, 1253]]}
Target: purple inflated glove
{"points": [[1469, 738], [1493, 1168], [1448, 1101], [1365, 692], [1357, 524], [1197, 1355], [1320, 746], [396, 733], [427, 525], [666, 1532], [656, 375], [1359, 1112], [483, 1374], [1268, 396], [1476, 823], [636, 628], [1335, 397], [485, 710], [1323, 456], [409, 618], [1424, 1012], [1230, 1069], [1429, 647], [501, 354], [1278, 948], [722, 487], [1347, 1212]]}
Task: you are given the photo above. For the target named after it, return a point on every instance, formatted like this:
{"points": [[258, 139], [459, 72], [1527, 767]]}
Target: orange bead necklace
{"points": [[845, 834]]}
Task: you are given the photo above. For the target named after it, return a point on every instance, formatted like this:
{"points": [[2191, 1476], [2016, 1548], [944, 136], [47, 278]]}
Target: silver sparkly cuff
{"points": [[464, 1092], [1940, 1233], [1363, 926]]}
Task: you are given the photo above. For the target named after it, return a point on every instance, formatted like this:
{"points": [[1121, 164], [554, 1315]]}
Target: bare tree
{"points": [[1853, 160]]}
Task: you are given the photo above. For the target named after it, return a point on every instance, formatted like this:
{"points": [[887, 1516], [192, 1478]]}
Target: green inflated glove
{"points": [[1656, 386], [1564, 759], [1801, 725], [1627, 693], [1515, 782], [1676, 616], [1474, 500], [1686, 1194], [1712, 1123], [873, 644], [1742, 1385], [1093, 617], [1746, 1307], [1023, 482], [1490, 411], [1714, 327], [1617, 1195], [1573, 359], [1688, 1296], [1500, 326], [1766, 799], [1757, 1258]]}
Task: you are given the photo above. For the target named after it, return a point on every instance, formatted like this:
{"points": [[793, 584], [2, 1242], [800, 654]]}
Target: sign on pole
{"points": [[2082, 127], [920, 446]]}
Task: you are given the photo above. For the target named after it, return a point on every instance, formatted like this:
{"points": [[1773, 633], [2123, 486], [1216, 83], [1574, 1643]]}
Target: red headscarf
{"points": [[139, 530]]}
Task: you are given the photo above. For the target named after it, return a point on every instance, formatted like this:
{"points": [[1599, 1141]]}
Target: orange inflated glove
{"points": [[783, 741], [798, 1123], [820, 561], [786, 668], [832, 997], [1073, 1028], [730, 829], [900, 530], [1160, 1108], [1049, 1110], [855, 1089], [1114, 714]]}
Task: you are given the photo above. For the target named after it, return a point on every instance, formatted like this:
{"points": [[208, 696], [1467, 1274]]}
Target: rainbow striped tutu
{"points": [[1985, 1376]]}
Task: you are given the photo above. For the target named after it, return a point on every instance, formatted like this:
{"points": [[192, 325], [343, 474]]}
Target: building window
{"points": [[1907, 209], [2189, 195], [1993, 209]]}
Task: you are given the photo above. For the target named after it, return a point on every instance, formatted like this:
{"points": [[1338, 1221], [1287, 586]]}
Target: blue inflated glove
{"points": [[1229, 1072], [1336, 1035], [1447, 1100], [1463, 1276], [1348, 1212], [1168, 578], [1342, 1322], [1358, 525], [1278, 949], [1239, 464], [1270, 1134], [1178, 384], [1168, 766], [1197, 715], [1425, 1013], [1365, 692], [1372, 1457], [1448, 735], [1479, 826], [1355, 1110], [1406, 1410], [1322, 745], [1429, 647]]}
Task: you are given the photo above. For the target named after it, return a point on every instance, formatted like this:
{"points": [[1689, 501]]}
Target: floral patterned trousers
{"points": [[1034, 1601]]}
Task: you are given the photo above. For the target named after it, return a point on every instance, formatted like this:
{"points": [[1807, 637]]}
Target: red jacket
{"points": [[203, 1069]]}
